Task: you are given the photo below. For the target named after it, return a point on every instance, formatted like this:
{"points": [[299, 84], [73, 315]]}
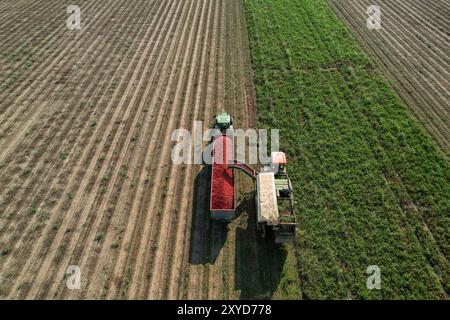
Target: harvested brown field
{"points": [[85, 151], [412, 50]]}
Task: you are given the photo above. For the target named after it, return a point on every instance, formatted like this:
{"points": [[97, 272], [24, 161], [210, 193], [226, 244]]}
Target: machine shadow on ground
{"points": [[207, 236], [259, 261]]}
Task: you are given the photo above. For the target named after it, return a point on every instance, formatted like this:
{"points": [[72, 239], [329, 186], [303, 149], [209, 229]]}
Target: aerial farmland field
{"points": [[87, 175]]}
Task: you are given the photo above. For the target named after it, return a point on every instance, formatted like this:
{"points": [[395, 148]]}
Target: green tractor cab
{"points": [[224, 121]]}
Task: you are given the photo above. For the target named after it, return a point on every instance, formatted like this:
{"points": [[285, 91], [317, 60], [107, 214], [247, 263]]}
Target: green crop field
{"points": [[371, 187]]}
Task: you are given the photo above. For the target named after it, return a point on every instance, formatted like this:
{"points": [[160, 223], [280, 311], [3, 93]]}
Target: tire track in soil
{"points": [[219, 232], [433, 15], [208, 225], [214, 280], [51, 41], [5, 4], [32, 99], [204, 98], [56, 41], [413, 14], [208, 278], [247, 219], [45, 128], [142, 205], [38, 138]]}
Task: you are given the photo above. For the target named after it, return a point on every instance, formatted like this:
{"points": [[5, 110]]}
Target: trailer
{"points": [[222, 197]]}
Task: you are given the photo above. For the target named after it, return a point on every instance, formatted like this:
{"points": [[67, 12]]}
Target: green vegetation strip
{"points": [[370, 186]]}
